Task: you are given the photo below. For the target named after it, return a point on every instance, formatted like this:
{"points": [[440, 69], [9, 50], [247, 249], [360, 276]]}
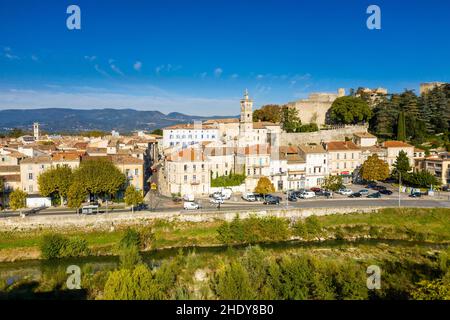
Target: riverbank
{"points": [[427, 225]]}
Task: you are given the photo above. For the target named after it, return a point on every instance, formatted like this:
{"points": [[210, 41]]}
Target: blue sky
{"points": [[197, 57]]}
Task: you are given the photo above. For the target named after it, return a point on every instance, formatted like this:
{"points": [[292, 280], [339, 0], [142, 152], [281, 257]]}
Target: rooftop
{"points": [[311, 148], [341, 146], [396, 144]]}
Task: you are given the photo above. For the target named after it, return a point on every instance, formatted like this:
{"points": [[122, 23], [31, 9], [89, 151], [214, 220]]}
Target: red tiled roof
{"points": [[396, 144], [341, 146]]}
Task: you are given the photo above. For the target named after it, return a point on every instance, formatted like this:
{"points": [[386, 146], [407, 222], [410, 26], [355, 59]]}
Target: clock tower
{"points": [[246, 121]]}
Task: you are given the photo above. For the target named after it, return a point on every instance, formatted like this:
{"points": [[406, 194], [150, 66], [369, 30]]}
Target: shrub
{"points": [[131, 238], [308, 228], [55, 246], [253, 230]]}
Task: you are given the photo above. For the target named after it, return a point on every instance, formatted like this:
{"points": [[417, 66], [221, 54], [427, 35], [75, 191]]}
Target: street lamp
{"points": [[399, 187]]}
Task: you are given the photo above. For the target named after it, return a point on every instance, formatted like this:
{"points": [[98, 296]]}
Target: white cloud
{"points": [[7, 52], [114, 67], [218, 72], [234, 76], [167, 68], [137, 66], [34, 58], [90, 58], [101, 71]]}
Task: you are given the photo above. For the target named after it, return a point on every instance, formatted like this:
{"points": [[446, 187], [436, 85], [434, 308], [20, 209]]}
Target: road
{"points": [[242, 205]]}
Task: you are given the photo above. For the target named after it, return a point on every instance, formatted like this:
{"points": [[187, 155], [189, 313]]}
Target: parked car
{"points": [[142, 206], [345, 192], [374, 195], [190, 205], [379, 188], [307, 195], [364, 192], [328, 194], [355, 195], [271, 200], [415, 195], [292, 197], [386, 192], [188, 197], [216, 201], [315, 189], [371, 185], [248, 196]]}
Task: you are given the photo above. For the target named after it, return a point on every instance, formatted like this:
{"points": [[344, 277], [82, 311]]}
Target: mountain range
{"points": [[53, 120]]}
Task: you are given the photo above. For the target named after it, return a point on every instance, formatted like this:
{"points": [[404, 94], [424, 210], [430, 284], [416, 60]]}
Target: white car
{"points": [[345, 192], [216, 201], [249, 197], [189, 205], [307, 195]]}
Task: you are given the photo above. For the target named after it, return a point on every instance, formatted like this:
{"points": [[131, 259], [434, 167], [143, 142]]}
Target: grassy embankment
{"points": [[432, 225]]}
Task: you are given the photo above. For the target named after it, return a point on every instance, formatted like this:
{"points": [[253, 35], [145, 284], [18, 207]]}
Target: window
{"points": [[194, 167], [136, 172], [226, 172], [194, 178], [185, 167], [345, 156], [353, 155], [337, 156], [30, 176], [30, 188], [203, 167], [185, 179]]}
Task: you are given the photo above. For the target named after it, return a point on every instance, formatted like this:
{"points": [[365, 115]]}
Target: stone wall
{"points": [[321, 135], [107, 222]]}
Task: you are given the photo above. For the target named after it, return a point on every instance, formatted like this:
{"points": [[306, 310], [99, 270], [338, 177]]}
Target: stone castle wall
{"points": [[321, 136]]}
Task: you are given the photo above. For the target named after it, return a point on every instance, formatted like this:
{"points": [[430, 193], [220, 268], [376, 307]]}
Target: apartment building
{"points": [[343, 158], [185, 135], [439, 166], [316, 168], [393, 148]]}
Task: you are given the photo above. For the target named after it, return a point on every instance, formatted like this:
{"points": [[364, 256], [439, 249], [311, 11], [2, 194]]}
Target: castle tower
{"points": [[36, 131], [246, 121]]}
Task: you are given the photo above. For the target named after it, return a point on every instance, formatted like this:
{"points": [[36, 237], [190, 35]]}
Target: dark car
{"points": [[270, 200], [371, 185], [142, 206], [379, 188], [415, 195], [355, 195], [328, 194], [292, 197], [374, 195], [386, 192]]}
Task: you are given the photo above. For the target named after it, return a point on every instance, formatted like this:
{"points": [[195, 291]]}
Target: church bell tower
{"points": [[246, 121]]}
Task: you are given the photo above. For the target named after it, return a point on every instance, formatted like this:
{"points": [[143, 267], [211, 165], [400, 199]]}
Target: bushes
{"points": [[257, 276], [228, 181], [56, 246], [308, 228], [141, 239], [253, 230]]}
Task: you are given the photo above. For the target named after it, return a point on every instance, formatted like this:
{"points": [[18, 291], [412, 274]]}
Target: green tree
{"points": [[270, 113], [290, 119], [133, 197], [349, 110], [264, 186], [401, 127], [99, 177], [18, 200], [333, 183], [76, 195], [158, 132], [56, 180], [2, 192], [422, 179], [233, 283], [374, 169], [401, 165]]}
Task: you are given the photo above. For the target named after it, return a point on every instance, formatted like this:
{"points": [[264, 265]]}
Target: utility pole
{"points": [[399, 187]]}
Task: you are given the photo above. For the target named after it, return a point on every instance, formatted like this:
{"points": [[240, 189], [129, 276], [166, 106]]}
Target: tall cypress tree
{"points": [[401, 127]]}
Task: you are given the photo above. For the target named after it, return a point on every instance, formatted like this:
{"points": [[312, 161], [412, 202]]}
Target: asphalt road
{"points": [[309, 203]]}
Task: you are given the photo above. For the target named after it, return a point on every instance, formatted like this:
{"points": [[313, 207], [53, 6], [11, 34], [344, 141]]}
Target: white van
{"points": [[248, 196], [190, 205], [226, 193], [307, 195]]}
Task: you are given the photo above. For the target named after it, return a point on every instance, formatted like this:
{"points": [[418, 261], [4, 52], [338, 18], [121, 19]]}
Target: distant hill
{"points": [[72, 120]]}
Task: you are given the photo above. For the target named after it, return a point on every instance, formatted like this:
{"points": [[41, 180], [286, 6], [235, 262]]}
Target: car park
{"points": [[271, 200], [374, 195], [355, 195], [345, 192], [190, 205], [216, 201], [307, 195], [364, 192]]}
